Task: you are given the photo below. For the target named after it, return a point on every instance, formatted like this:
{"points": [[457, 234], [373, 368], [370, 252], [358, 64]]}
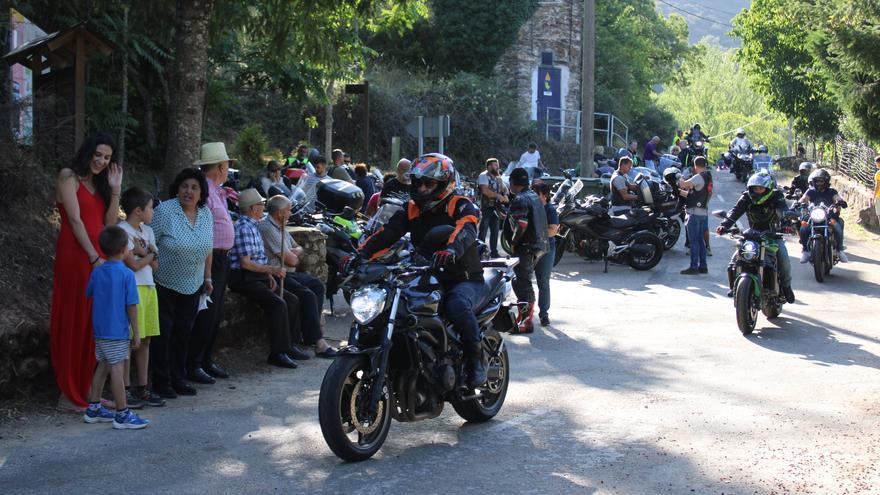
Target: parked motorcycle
{"points": [[822, 244], [587, 229], [756, 284], [404, 361]]}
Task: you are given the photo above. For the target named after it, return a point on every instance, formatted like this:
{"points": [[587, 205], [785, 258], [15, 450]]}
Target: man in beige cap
{"points": [[253, 276], [201, 368]]}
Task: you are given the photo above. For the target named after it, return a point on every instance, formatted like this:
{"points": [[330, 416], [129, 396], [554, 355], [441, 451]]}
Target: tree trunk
{"points": [[328, 123], [5, 78], [120, 157], [188, 82]]}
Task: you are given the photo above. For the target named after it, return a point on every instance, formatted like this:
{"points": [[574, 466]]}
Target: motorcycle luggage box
{"points": [[335, 195]]}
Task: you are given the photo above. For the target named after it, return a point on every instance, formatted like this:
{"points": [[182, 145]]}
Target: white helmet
{"points": [[740, 132]]}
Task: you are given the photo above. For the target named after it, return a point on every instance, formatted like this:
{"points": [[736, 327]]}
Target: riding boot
{"points": [[788, 293], [476, 368], [526, 325], [731, 278]]}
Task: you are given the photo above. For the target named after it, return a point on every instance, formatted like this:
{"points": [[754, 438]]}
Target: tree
{"points": [[185, 109], [781, 66]]}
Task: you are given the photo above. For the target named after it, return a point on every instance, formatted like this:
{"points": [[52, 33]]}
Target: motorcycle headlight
{"points": [[749, 250], [367, 303], [818, 215]]}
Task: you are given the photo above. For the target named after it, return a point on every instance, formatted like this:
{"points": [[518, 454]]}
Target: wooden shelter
{"points": [[58, 61]]}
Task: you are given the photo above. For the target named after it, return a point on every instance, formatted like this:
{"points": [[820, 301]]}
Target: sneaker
{"points": [[690, 271], [545, 320], [703, 269], [98, 414], [132, 401], [150, 398], [128, 420], [805, 257], [842, 257]]}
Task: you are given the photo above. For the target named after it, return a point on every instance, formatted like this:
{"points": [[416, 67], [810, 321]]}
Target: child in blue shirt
{"points": [[113, 291]]}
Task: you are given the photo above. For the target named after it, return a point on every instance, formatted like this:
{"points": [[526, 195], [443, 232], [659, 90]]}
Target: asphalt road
{"points": [[642, 384]]}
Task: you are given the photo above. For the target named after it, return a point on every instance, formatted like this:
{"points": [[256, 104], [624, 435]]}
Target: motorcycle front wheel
{"points": [[650, 258], [817, 251], [350, 430], [746, 310], [672, 234], [491, 398]]}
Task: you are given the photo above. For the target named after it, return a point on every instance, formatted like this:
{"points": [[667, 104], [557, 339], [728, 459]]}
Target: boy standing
{"points": [[113, 292], [137, 203]]}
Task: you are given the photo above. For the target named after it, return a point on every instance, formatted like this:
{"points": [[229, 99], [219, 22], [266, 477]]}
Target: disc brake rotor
{"points": [[496, 367], [366, 427]]}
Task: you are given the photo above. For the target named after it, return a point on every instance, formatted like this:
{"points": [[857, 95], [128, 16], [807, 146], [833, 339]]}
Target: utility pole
{"points": [[588, 69]]}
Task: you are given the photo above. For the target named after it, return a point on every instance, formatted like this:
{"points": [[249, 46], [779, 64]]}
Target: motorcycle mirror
{"points": [[719, 214], [567, 174]]}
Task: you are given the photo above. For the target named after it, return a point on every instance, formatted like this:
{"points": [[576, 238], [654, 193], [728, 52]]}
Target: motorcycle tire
{"points": [[746, 311], [672, 234], [343, 377], [646, 262], [817, 251], [494, 392], [771, 309], [561, 246]]}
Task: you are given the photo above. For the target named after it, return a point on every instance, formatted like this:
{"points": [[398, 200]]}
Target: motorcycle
{"points": [[741, 163], [756, 284], [822, 244], [587, 229], [404, 361], [343, 234]]}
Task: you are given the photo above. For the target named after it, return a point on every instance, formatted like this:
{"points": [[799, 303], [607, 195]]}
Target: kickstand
{"points": [[606, 264]]}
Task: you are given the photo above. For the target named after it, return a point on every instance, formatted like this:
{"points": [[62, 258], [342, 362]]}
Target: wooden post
{"points": [[395, 152], [588, 66], [79, 92], [366, 157]]}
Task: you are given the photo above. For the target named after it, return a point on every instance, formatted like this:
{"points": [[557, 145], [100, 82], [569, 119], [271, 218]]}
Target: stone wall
{"points": [[858, 196], [555, 26]]}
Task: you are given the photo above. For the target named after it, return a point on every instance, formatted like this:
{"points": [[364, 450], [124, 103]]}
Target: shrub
{"points": [[250, 146]]}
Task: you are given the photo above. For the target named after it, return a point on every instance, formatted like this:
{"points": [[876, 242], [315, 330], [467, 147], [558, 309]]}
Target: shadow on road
{"points": [[814, 341]]}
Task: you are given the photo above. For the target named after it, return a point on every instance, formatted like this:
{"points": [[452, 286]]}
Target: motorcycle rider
{"points": [[433, 203], [526, 230], [740, 142], [621, 197], [802, 182], [696, 134], [820, 192], [764, 205]]}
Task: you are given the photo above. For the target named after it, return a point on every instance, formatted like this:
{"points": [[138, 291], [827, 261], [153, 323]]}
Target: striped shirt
{"points": [[224, 232], [248, 242], [183, 246]]}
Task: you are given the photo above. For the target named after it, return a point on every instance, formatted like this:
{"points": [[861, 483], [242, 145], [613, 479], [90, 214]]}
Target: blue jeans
{"points": [[838, 234], [650, 164], [458, 307], [542, 273], [695, 225], [489, 225]]}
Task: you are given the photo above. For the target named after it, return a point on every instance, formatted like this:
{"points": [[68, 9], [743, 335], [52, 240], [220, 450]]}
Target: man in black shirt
{"points": [[400, 183]]}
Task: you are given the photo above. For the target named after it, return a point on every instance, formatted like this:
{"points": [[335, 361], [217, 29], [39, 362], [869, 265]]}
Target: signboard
{"points": [[550, 96]]}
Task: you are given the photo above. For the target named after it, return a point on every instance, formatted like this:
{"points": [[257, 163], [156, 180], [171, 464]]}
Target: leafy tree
{"points": [[780, 64]]}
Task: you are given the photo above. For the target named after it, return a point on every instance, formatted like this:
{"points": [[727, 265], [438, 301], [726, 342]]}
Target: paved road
{"points": [[643, 384]]}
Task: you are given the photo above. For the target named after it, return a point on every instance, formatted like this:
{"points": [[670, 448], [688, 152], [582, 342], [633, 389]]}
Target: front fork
{"points": [[381, 369]]}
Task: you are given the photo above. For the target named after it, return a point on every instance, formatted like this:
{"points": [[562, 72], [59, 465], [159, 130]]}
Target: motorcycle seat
{"points": [[492, 284]]}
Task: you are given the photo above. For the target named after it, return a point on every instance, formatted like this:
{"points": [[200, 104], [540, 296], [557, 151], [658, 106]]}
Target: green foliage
{"points": [[780, 65], [715, 93], [250, 146]]}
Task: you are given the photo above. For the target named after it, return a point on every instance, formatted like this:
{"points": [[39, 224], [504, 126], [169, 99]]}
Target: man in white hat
{"points": [[253, 276], [201, 368]]}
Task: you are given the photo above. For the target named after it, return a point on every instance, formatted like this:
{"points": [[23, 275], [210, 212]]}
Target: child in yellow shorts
{"points": [[137, 203]]}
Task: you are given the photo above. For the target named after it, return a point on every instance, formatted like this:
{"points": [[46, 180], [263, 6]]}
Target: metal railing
{"points": [[853, 159], [603, 123]]}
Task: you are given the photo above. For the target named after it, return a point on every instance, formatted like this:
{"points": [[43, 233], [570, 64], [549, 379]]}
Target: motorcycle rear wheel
{"points": [[494, 392], [561, 246], [818, 254], [346, 387], [746, 311], [771, 309], [650, 260], [672, 234]]}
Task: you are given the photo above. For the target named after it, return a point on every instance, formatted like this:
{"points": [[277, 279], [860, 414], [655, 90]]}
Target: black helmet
{"points": [[696, 126], [820, 179], [432, 167], [805, 167]]}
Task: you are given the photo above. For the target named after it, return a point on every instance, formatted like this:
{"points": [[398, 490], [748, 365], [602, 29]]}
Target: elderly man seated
{"points": [[253, 276], [308, 289]]}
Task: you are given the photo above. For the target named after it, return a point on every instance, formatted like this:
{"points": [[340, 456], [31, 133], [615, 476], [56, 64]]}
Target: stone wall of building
{"points": [[556, 27]]}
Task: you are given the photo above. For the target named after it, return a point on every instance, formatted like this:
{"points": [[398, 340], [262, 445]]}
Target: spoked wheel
{"points": [[746, 308], [491, 395], [652, 254], [350, 430], [818, 254], [672, 234]]}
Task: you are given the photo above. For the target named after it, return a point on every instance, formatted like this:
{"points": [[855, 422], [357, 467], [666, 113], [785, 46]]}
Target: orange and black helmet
{"points": [[434, 170]]}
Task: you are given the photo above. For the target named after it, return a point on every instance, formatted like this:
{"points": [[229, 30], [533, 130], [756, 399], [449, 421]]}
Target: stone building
{"points": [[543, 66]]}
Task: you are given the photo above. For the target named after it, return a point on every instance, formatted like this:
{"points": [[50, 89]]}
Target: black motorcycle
{"points": [[822, 244], [587, 229], [756, 285], [404, 361], [741, 163]]}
